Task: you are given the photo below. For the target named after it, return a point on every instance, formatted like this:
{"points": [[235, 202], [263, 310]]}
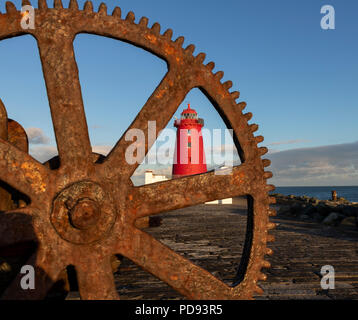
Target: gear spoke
{"points": [[160, 107], [23, 172], [47, 270], [95, 279], [181, 274], [16, 226], [188, 191], [65, 98]]}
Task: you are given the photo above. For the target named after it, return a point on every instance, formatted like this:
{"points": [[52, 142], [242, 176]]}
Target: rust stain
{"points": [[35, 177], [160, 94], [169, 50], [152, 38]]}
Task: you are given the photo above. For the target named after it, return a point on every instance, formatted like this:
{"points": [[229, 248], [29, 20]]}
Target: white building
{"points": [[150, 177], [223, 201]]}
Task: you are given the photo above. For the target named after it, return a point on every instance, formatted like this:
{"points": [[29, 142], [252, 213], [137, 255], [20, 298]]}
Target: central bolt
{"points": [[84, 214]]}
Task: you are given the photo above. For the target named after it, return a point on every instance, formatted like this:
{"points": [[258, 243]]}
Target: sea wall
{"points": [[327, 212]]}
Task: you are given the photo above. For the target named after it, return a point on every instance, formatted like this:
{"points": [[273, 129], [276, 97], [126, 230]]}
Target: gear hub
{"points": [[82, 213]]}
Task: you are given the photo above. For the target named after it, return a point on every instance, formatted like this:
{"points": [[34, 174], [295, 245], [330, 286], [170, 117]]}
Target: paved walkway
{"points": [[212, 237]]}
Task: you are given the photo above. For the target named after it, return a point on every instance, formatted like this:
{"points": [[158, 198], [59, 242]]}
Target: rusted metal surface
{"points": [[79, 187], [15, 134], [5, 195]]}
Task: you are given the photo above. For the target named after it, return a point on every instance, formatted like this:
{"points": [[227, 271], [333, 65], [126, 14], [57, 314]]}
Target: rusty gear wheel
{"points": [[84, 212]]}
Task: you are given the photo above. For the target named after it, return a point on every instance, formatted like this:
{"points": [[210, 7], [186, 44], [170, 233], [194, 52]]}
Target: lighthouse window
{"points": [[188, 132], [189, 144]]}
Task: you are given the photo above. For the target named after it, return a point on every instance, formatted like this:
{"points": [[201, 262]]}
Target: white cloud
{"points": [[43, 153], [104, 150], [278, 143], [326, 165], [37, 136]]}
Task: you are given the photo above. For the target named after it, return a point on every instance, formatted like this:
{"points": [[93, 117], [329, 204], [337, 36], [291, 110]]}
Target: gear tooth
{"points": [[42, 4], [200, 57], [88, 7], [102, 9], [143, 21], [211, 65], [3, 121], [117, 12], [130, 16], [272, 213], [268, 174], [271, 225], [242, 105], [270, 238], [190, 48], [179, 41], [266, 162], [57, 4], [269, 251], [25, 3], [262, 276], [259, 139], [227, 85], [270, 187], [168, 34], [235, 95], [272, 200], [248, 116], [3, 109], [254, 127], [10, 7], [218, 75], [73, 5], [258, 289], [266, 264], [156, 28], [263, 150]]}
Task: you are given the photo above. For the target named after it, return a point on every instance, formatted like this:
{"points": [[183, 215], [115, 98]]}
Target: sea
{"points": [[323, 193]]}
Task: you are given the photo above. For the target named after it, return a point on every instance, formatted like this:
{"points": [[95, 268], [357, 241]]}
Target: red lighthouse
{"points": [[189, 156]]}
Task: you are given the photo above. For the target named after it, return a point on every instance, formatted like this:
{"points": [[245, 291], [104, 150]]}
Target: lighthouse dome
{"points": [[189, 113]]}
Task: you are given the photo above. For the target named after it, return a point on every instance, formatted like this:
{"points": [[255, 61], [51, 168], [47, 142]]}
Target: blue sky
{"points": [[299, 81]]}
